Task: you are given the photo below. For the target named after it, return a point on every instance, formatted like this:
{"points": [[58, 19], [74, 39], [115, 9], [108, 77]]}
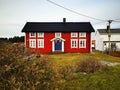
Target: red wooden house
{"points": [[47, 37]]}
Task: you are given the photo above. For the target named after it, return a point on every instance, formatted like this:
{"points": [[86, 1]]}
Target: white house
{"points": [[101, 37]]}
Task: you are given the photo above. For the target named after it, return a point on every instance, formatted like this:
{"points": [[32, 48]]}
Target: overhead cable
{"points": [[75, 11]]}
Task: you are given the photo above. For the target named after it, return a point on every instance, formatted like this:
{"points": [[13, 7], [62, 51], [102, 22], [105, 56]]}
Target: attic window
{"points": [[32, 34], [40, 34], [82, 34], [74, 34], [57, 34]]}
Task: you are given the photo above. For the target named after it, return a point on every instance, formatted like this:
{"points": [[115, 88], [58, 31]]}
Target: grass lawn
{"points": [[72, 58], [108, 79], [102, 80]]}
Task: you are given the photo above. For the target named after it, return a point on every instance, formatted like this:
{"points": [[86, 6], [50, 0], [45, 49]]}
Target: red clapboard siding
{"points": [[67, 43]]}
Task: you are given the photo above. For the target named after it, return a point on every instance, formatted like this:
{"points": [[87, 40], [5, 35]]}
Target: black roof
{"points": [[58, 27], [104, 31]]}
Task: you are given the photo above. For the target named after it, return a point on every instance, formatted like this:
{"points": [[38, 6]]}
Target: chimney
{"points": [[64, 20]]}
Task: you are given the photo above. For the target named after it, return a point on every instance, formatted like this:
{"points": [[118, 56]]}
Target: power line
{"points": [[99, 22], [75, 11], [117, 19]]}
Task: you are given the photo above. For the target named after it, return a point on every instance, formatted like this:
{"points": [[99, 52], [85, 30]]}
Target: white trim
{"points": [[91, 44], [82, 34], [62, 46], [40, 43], [74, 46], [82, 43], [57, 38], [42, 34], [53, 46], [58, 34], [31, 33], [32, 43], [74, 34]]}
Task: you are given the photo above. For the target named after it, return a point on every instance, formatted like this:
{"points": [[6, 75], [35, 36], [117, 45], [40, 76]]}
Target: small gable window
{"points": [[57, 34], [82, 34], [32, 34], [74, 34], [41, 34]]}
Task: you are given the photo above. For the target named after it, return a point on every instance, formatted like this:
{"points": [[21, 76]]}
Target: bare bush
{"points": [[115, 53], [89, 65], [67, 71]]}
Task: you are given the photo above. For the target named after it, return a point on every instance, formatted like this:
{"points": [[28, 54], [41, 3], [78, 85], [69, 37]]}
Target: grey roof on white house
{"points": [[104, 31]]}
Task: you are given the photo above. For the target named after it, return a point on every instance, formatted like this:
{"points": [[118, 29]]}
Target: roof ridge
{"points": [[57, 22]]}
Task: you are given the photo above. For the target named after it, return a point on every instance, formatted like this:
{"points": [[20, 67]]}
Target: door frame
{"points": [[53, 44], [58, 45]]}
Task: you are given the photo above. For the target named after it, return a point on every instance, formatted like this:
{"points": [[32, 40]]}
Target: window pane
{"points": [[41, 43], [74, 43], [82, 43], [32, 43]]}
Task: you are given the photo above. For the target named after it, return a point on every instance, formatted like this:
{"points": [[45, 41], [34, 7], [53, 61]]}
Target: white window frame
{"points": [[40, 34], [74, 46], [74, 34], [32, 33], [40, 43], [82, 34], [58, 34], [32, 43], [82, 46]]}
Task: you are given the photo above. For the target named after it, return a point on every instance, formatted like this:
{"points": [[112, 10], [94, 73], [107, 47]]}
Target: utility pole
{"points": [[109, 35]]}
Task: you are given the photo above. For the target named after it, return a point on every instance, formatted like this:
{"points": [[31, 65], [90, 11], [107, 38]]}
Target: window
{"points": [[57, 35], [32, 34], [74, 34], [82, 43], [82, 34], [40, 34], [40, 43], [32, 43], [74, 43]]}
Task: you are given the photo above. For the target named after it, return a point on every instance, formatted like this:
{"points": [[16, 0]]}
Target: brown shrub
{"points": [[67, 70], [116, 53], [89, 65]]}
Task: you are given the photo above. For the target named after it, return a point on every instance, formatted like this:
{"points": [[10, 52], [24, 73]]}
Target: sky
{"points": [[15, 13]]}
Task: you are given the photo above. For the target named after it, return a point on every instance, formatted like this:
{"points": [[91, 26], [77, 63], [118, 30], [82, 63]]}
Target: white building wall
{"points": [[99, 42], [118, 46], [104, 37], [114, 37]]}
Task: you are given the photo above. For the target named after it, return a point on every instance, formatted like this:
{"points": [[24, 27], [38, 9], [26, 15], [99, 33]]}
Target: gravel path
{"points": [[110, 63]]}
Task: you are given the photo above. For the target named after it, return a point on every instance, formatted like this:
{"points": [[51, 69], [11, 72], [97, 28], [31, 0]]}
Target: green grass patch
{"points": [[73, 58], [101, 80]]}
